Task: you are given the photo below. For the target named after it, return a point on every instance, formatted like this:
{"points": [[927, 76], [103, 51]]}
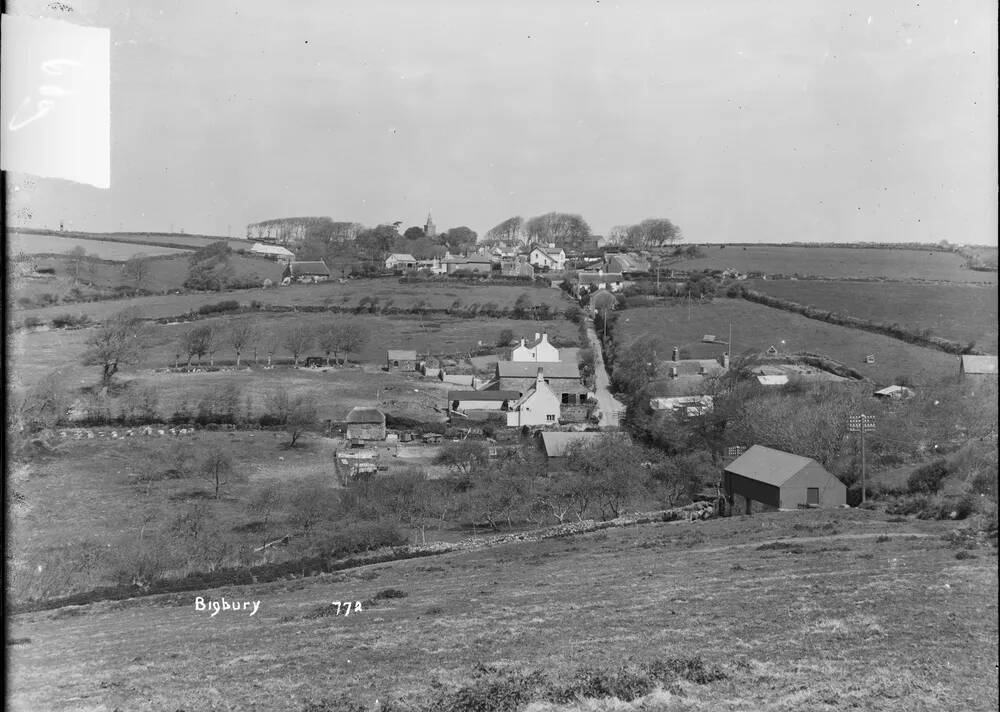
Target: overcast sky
{"points": [[741, 120]]}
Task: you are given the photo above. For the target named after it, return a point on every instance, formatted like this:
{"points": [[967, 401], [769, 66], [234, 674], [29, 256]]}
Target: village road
{"points": [[608, 407]]}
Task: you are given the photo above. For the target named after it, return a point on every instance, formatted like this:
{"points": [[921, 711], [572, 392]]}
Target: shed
{"points": [[763, 479], [365, 423], [979, 366], [306, 271], [401, 360]]}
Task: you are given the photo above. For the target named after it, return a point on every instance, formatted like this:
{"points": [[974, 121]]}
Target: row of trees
{"points": [[569, 230]]}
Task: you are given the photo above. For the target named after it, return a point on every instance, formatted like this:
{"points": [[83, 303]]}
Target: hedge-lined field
{"points": [[103, 249], [836, 597], [957, 312], [389, 292], [839, 263], [756, 327], [35, 355]]}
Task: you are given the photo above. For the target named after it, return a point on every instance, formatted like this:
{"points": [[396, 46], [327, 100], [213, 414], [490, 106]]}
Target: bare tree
{"points": [[197, 342], [137, 269], [296, 413], [241, 333], [328, 340], [45, 404], [217, 467], [352, 337], [77, 261], [298, 338], [310, 502], [119, 341], [262, 504]]}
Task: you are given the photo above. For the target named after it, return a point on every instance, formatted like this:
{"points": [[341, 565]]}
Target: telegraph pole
{"points": [[861, 424]]}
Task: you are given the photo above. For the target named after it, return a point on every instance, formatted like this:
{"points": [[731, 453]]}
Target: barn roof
{"points": [[599, 277], [363, 414], [299, 269], [529, 369], [401, 355], [979, 364], [483, 395], [277, 250], [401, 257], [556, 444], [773, 467], [627, 262]]}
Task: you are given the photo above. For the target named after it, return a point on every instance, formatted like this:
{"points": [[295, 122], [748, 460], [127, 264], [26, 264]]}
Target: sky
{"points": [[739, 120]]}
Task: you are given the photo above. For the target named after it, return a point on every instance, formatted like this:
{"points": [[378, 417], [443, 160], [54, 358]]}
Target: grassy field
{"points": [[851, 610], [31, 244], [436, 295], [840, 262], [174, 240], [37, 354], [958, 312], [757, 327]]}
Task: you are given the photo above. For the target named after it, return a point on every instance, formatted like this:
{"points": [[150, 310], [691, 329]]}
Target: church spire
{"points": [[429, 229]]}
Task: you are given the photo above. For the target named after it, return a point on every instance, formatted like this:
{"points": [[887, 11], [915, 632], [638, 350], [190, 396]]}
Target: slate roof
{"points": [[401, 257], [401, 355], [626, 262], [597, 277], [979, 364], [308, 269], [361, 414], [772, 467], [556, 444], [529, 369], [482, 395], [278, 250]]}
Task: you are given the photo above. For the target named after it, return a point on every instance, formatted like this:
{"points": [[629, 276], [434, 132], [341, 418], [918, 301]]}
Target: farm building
{"points": [[481, 400], [475, 263], [400, 261], [551, 258], [539, 406], [612, 281], [274, 252], [627, 263], [561, 376], [539, 350], [602, 300], [306, 272], [365, 423], [401, 360], [762, 479], [894, 392], [980, 367]]}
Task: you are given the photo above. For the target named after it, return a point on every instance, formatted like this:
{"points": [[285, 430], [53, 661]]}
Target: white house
{"points": [[611, 281], [540, 350], [539, 406], [400, 260], [551, 257]]}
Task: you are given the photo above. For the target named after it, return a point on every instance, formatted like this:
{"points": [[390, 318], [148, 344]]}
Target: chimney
{"points": [[545, 338], [725, 360], [522, 342], [537, 336], [676, 356], [540, 378]]}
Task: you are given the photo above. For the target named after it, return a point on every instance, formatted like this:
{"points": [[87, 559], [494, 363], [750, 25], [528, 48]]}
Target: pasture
{"points": [[961, 313], [37, 354], [832, 628], [840, 263], [389, 292], [756, 327], [39, 244]]}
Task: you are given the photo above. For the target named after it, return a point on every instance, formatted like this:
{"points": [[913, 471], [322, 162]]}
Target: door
{"points": [[812, 495]]}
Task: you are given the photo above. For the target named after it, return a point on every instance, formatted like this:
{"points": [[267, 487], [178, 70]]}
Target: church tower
{"points": [[429, 229]]}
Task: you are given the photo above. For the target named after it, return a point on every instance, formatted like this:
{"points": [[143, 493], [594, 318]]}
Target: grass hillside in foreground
{"points": [[819, 610]]}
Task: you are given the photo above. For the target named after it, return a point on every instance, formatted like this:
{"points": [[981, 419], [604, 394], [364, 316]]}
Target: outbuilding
{"points": [[365, 423], [401, 360], [763, 479]]}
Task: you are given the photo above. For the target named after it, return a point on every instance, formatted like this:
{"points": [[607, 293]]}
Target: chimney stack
{"points": [[725, 360], [540, 378], [676, 354], [673, 372], [537, 336], [545, 338]]}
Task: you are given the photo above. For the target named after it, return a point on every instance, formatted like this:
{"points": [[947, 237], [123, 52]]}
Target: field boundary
{"points": [[893, 331], [315, 566]]}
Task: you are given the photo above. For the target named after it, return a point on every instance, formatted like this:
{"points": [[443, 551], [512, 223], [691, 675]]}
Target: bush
{"points": [[61, 321], [31, 322], [929, 478], [227, 305]]}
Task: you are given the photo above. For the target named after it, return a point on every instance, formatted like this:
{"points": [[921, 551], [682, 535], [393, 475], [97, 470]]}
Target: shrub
{"points": [[390, 593], [66, 320], [31, 322], [227, 305], [929, 478]]}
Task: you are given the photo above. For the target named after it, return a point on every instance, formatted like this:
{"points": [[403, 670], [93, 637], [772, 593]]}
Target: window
{"points": [[812, 495], [551, 418]]}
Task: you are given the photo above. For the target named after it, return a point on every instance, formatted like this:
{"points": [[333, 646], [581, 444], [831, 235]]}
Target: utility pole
{"points": [[861, 424]]}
